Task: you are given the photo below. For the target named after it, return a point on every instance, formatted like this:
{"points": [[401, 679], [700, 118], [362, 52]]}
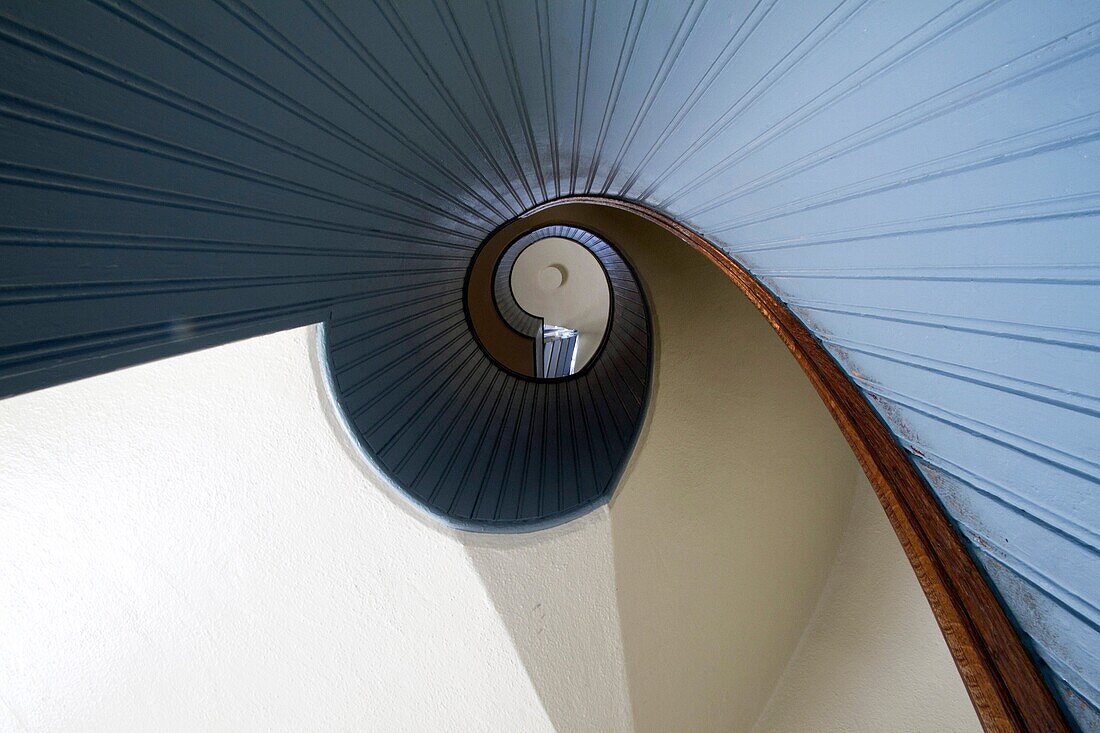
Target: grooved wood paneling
{"points": [[917, 182]]}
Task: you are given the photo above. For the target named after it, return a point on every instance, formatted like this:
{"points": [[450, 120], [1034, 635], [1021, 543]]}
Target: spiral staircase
{"points": [[914, 184]]}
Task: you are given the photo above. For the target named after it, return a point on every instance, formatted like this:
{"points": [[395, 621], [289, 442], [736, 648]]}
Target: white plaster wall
{"points": [[581, 302], [187, 545], [872, 658], [556, 589]]}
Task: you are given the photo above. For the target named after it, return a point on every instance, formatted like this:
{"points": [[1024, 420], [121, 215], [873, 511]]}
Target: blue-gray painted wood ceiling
{"points": [[919, 181], [468, 439]]}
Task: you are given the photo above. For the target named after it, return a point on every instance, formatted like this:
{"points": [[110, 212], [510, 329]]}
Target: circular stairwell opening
{"points": [[561, 283], [544, 304]]}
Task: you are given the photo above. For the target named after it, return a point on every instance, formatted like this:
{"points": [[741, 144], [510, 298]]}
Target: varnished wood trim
{"points": [[1006, 688]]}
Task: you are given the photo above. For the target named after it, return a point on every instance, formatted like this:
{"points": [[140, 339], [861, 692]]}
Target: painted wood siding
{"points": [[919, 181]]}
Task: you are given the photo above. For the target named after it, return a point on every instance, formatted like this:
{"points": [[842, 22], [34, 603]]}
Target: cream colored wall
{"points": [[581, 302], [188, 545], [730, 515], [872, 658], [726, 539], [555, 589]]}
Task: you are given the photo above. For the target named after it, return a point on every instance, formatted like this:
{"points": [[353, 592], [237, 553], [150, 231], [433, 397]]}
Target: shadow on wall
{"points": [[693, 588], [872, 658]]}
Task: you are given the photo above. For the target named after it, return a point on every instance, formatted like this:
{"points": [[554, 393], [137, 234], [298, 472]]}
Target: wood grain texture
{"points": [[1006, 688]]}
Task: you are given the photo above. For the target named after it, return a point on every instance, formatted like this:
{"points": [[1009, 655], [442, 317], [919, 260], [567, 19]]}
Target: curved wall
{"points": [[722, 541], [729, 516], [916, 180], [870, 658]]}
